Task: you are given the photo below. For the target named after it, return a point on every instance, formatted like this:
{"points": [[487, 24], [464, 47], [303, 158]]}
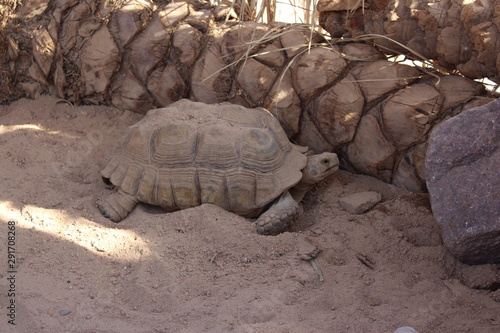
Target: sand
{"points": [[204, 269]]}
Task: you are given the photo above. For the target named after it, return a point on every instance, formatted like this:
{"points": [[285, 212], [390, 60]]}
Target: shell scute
{"points": [[173, 145], [214, 188], [146, 191], [241, 190], [164, 196], [216, 149], [185, 187], [259, 150], [136, 146], [132, 178], [118, 175]]}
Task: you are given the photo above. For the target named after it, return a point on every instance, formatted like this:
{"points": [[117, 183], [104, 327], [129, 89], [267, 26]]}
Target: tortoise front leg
{"points": [[278, 217], [117, 205]]}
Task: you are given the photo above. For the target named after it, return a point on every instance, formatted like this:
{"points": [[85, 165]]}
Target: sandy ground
{"points": [[204, 269]]}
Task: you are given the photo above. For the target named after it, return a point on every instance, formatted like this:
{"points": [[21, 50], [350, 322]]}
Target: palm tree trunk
{"points": [[459, 35]]}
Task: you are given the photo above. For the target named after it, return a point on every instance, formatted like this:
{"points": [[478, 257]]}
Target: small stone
{"points": [[307, 250], [361, 202], [64, 312], [318, 232]]}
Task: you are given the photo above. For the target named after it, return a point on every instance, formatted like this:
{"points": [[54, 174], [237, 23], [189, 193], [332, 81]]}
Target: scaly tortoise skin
{"points": [[191, 153]]}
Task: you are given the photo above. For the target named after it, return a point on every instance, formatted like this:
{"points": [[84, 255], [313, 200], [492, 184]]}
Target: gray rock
{"points": [[405, 329], [361, 202], [463, 178]]}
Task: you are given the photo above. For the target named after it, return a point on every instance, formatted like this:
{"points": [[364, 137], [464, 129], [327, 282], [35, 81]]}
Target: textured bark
{"points": [[460, 35], [346, 98]]}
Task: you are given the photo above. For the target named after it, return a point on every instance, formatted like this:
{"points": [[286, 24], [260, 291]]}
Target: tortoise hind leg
{"points": [[117, 206], [278, 217]]}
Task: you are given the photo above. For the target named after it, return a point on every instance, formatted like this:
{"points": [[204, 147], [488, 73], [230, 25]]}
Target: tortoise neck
{"points": [[299, 191]]}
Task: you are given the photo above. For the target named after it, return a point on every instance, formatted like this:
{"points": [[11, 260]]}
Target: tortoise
{"points": [[191, 153]]}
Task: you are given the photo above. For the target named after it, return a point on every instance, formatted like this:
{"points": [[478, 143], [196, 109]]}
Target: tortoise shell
{"points": [[191, 153]]}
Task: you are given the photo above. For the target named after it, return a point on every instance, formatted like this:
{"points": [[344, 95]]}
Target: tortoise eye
{"points": [[325, 161]]}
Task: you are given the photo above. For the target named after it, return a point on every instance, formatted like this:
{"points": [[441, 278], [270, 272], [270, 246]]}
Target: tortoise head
{"points": [[319, 167]]}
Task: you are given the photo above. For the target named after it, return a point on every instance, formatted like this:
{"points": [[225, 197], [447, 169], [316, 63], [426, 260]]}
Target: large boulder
{"points": [[463, 178]]}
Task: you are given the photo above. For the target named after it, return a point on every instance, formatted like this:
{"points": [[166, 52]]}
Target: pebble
{"points": [[307, 250], [360, 203], [406, 329]]}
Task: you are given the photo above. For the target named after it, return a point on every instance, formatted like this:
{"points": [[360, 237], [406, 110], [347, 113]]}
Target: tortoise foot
{"points": [[278, 217], [117, 206]]}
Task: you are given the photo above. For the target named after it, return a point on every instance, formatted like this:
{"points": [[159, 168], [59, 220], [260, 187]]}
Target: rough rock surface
{"points": [[360, 203], [463, 178]]}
